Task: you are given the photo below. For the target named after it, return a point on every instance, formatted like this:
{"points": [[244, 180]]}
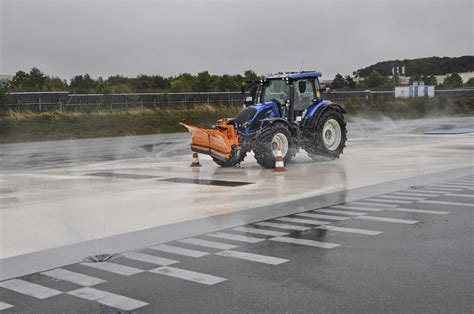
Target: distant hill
{"points": [[423, 66]]}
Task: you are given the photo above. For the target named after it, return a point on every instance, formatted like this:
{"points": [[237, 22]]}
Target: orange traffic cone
{"points": [[279, 165], [195, 162]]}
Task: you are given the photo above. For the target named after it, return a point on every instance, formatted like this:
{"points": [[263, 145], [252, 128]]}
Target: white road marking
{"points": [[344, 212], [444, 190], [188, 275], [70, 276], [386, 201], [270, 260], [421, 191], [114, 268], [211, 244], [107, 298], [372, 204], [235, 237], [330, 217], [459, 184], [416, 194], [178, 250], [447, 203], [449, 187], [150, 259], [400, 221], [349, 230], [460, 195], [323, 245], [260, 231], [303, 221], [29, 288], [421, 211], [4, 306], [364, 208], [470, 182], [396, 197], [281, 226]]}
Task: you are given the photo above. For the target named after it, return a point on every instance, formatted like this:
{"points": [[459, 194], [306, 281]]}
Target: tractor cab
{"points": [[293, 93]]}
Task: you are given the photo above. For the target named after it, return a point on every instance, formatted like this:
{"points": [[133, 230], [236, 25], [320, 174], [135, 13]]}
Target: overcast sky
{"points": [[104, 37]]}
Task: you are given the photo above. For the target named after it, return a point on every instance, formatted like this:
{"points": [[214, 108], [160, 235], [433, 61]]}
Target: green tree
{"points": [[430, 80], [453, 80], [338, 82], [83, 83], [470, 82], [20, 81], [121, 89], [374, 80], [53, 84], [3, 95], [203, 82], [37, 79], [350, 82], [250, 75]]}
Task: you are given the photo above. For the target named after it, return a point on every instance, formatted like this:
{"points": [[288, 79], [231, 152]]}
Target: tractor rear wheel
{"points": [[267, 143], [329, 137]]}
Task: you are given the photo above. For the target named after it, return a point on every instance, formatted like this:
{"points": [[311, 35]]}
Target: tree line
{"points": [[421, 66], [36, 81]]}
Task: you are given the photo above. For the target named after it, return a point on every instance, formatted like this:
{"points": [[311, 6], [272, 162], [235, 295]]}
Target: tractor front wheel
{"points": [[267, 143]]}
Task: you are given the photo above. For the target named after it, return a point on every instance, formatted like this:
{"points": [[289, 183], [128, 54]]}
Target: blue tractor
{"points": [[286, 112]]}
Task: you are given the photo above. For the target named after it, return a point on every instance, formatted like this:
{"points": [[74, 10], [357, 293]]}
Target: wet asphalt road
{"points": [[420, 263]]}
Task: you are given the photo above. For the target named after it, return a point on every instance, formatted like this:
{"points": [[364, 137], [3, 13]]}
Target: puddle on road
{"points": [[206, 182], [122, 175]]}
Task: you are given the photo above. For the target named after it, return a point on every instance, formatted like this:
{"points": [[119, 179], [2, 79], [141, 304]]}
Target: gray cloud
{"points": [[108, 37]]}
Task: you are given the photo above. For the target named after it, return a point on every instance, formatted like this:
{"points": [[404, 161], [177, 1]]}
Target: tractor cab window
{"points": [[304, 94], [275, 89]]}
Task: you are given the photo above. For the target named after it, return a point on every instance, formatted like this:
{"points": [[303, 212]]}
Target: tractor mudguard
{"points": [[218, 142], [278, 120], [325, 105]]}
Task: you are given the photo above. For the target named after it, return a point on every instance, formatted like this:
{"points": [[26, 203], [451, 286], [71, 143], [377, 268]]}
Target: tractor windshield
{"points": [[275, 89]]}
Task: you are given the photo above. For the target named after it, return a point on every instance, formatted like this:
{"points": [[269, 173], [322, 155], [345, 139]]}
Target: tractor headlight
{"points": [[246, 125]]}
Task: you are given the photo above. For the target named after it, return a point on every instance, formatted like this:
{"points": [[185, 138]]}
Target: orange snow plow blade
{"points": [[219, 142]]}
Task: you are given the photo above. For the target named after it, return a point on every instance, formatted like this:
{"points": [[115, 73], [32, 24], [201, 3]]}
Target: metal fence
{"points": [[47, 101]]}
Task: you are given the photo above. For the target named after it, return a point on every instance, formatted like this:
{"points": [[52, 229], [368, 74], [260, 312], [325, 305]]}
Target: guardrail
{"points": [[63, 100]]}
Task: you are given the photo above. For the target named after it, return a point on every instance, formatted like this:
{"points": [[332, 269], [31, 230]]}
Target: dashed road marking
{"points": [[445, 190], [371, 204], [460, 195], [260, 231], [324, 245], [420, 211], [400, 221], [386, 201], [178, 250], [114, 268], [270, 260], [447, 203], [281, 226], [321, 216], [423, 190], [211, 244], [4, 306], [452, 186], [396, 197], [303, 221], [415, 194], [350, 230], [70, 276], [470, 182], [29, 288], [235, 237], [150, 259], [188, 275], [343, 212], [107, 298], [364, 208]]}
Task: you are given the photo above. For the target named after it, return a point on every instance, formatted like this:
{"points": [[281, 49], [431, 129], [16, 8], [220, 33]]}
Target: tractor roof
{"points": [[295, 75]]}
